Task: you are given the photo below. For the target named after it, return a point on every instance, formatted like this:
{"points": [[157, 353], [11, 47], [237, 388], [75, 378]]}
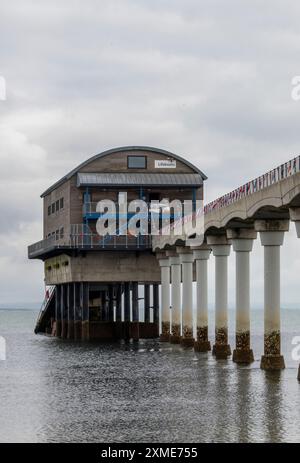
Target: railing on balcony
{"points": [[81, 237]]}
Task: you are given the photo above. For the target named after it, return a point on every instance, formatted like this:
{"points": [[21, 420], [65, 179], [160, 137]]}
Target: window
{"points": [[49, 210], [57, 205], [136, 162], [61, 233], [53, 208], [57, 234], [61, 203]]}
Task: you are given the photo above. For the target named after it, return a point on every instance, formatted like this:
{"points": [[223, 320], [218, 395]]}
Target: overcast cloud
{"points": [[209, 80]]}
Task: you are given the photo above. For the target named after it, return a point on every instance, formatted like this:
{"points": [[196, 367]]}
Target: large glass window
{"points": [[136, 162]]}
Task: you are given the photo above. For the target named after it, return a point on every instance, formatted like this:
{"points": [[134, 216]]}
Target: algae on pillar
{"points": [[272, 235]]}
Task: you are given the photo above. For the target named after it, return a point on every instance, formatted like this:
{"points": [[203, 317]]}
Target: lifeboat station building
{"points": [[104, 286]]}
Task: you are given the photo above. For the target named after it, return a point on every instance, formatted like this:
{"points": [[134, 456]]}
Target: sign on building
{"points": [[165, 164]]}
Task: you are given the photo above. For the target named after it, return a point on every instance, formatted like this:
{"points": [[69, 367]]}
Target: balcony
{"points": [[82, 239]]}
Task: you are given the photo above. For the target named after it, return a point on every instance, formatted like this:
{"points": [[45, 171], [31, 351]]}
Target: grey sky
{"points": [[209, 80]]}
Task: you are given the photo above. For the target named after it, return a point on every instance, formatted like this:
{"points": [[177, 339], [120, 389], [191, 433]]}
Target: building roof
{"points": [[138, 179], [120, 149]]}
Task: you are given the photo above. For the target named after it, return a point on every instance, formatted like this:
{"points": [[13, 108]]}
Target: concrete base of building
{"points": [[243, 356], [272, 362], [175, 339], [64, 329], [106, 330], [77, 330], [163, 337], [70, 334], [202, 346], [221, 351], [57, 328], [187, 342], [134, 331], [85, 330]]}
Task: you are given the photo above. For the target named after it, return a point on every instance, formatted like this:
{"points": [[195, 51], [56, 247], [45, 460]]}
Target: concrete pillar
{"points": [[135, 312], [85, 311], [221, 250], [71, 311], [147, 303], [187, 259], [272, 235], [111, 303], [126, 310], [119, 303], [242, 243], [201, 256], [174, 261], [58, 315], [165, 298], [295, 217], [155, 298], [77, 312], [104, 306], [64, 311]]}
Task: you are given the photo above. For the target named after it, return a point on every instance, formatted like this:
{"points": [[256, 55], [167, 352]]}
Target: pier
{"points": [[99, 285]]}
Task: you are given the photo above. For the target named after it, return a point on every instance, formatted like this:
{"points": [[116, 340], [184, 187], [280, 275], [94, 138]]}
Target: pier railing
{"points": [[82, 238], [281, 172]]}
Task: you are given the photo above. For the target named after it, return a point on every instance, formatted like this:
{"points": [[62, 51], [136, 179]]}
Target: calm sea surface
{"points": [[58, 391]]}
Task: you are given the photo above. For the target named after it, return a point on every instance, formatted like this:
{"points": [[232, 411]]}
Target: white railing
{"points": [[47, 299], [273, 176]]}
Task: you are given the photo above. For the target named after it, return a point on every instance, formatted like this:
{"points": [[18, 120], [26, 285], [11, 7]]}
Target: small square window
{"points": [[61, 203], [136, 162]]}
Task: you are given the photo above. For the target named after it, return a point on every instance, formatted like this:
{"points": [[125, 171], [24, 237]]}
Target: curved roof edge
{"points": [[115, 150]]}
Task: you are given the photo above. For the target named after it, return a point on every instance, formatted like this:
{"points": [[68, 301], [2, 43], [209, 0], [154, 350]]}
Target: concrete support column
{"points": [[135, 312], [85, 311], [64, 311], [272, 235], [127, 310], [201, 256], [58, 314], [295, 217], [242, 242], [221, 251], [77, 312], [187, 259], [71, 311], [175, 264], [119, 303], [147, 303], [111, 303], [165, 298], [155, 298]]}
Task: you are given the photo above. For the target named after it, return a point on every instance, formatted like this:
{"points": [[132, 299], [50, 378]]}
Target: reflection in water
{"points": [[53, 391]]}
